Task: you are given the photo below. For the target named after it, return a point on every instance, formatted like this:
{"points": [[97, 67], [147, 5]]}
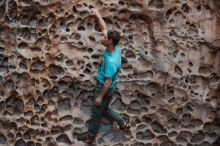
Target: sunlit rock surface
{"points": [[169, 86]]}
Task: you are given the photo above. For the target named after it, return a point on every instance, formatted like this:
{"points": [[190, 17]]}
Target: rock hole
{"points": [[199, 8], [69, 62], [204, 70], [196, 122], [81, 28], [133, 111], [33, 22], [24, 20], [77, 120], [173, 122], [64, 104], [197, 137], [66, 118], [2, 49], [80, 44], [3, 139], [158, 128], [27, 136], [118, 105], [28, 2], [92, 39], [30, 143], [2, 11], [170, 12], [167, 143], [22, 45], [55, 71], [179, 111], [87, 71], [130, 54], [121, 2], [156, 3], [63, 138], [96, 56], [38, 65], [186, 8], [147, 119], [35, 49], [138, 6], [178, 70], [20, 142], [147, 135], [190, 64]]}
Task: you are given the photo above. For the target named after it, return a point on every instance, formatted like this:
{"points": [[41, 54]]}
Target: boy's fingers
{"points": [[90, 12]]}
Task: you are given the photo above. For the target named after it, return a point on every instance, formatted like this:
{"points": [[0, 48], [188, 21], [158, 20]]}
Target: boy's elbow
{"points": [[105, 31], [108, 81]]}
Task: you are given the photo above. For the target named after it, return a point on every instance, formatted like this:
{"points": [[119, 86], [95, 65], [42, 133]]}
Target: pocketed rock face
{"points": [[169, 87]]}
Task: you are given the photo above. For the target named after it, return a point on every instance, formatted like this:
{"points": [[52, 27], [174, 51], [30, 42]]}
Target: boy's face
{"points": [[107, 42]]}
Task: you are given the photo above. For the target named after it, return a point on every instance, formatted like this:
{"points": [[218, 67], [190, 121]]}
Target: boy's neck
{"points": [[110, 49]]}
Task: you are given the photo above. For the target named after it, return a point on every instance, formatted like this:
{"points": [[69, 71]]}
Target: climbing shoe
{"points": [[85, 137], [125, 126]]}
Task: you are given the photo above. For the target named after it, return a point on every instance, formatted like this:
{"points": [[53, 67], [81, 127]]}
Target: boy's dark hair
{"points": [[115, 36]]}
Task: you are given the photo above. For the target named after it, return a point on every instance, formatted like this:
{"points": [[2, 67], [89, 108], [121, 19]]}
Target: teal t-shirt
{"points": [[110, 66]]}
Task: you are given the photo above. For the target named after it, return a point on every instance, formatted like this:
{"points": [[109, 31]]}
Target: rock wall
{"points": [[169, 86]]}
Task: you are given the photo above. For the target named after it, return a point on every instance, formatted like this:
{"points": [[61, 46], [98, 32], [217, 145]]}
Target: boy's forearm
{"points": [[105, 88], [102, 23]]}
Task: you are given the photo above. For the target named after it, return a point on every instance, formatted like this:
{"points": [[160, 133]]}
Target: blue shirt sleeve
{"points": [[110, 68]]}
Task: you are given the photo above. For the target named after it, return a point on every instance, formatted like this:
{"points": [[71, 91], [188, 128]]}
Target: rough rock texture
{"points": [[169, 86]]}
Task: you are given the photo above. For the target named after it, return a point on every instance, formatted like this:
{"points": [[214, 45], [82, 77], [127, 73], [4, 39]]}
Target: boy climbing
{"points": [[106, 81]]}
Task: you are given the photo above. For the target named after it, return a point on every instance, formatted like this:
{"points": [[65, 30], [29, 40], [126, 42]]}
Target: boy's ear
{"points": [[119, 33], [111, 41]]}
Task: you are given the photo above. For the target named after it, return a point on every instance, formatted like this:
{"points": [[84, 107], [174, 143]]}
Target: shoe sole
{"points": [[126, 128], [85, 141]]}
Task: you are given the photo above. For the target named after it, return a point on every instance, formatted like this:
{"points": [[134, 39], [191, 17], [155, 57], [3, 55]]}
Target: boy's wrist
{"points": [[95, 12]]}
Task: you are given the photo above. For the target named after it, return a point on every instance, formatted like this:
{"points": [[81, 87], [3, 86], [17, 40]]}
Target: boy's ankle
{"points": [[86, 137], [124, 126]]}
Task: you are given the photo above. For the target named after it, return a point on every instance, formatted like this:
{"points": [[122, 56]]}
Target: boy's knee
{"points": [[96, 116], [96, 112]]}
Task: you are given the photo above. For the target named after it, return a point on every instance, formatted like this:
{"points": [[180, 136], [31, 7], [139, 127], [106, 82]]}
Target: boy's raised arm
{"points": [[101, 21]]}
